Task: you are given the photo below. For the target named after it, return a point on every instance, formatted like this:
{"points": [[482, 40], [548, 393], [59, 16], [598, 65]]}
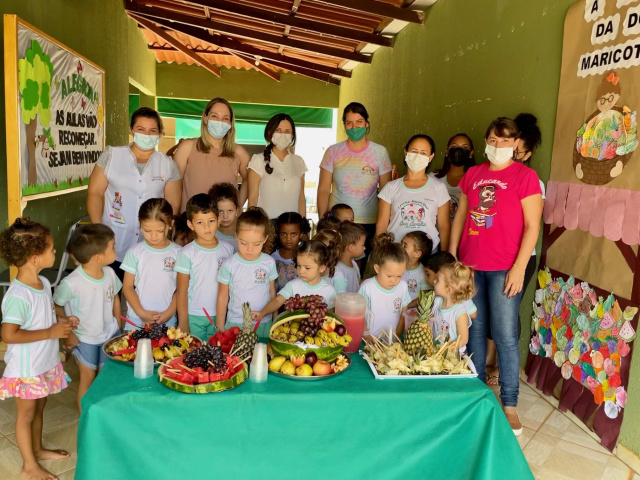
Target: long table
{"points": [[351, 427]]}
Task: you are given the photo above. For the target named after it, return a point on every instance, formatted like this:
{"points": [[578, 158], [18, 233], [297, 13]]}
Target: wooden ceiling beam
{"points": [[231, 44], [257, 64], [378, 8], [235, 31], [293, 21], [149, 25], [299, 70]]}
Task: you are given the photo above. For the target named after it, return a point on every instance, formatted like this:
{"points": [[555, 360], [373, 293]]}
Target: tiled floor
{"points": [[555, 447], [558, 449]]}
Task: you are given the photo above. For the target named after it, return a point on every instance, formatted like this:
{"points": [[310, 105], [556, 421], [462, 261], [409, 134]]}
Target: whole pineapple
{"points": [[247, 338], [419, 338]]}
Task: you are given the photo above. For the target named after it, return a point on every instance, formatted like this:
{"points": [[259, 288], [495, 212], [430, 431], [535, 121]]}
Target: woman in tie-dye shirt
{"points": [[351, 171]]}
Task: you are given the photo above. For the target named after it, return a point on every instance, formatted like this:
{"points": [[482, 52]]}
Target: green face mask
{"points": [[356, 134]]}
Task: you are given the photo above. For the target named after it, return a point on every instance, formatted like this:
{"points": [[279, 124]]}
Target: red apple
{"points": [[322, 368], [297, 360], [311, 358]]}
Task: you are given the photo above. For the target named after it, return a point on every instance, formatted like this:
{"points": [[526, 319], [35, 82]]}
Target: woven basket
{"points": [[597, 172]]}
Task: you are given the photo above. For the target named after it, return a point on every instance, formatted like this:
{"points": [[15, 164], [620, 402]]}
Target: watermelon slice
{"points": [[627, 333], [607, 321]]}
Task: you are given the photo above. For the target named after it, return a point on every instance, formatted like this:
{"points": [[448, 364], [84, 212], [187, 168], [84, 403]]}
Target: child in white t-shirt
{"points": [[453, 286], [352, 240], [90, 293], [418, 247], [29, 328], [312, 259], [434, 264], [197, 269], [249, 275], [387, 294], [291, 227], [150, 279], [225, 197]]}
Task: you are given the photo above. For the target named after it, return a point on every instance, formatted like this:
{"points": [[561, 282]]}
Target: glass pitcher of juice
{"points": [[352, 309]]}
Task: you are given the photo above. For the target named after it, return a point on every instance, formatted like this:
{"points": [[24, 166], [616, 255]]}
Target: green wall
{"points": [[97, 29], [471, 62], [243, 86], [140, 60]]}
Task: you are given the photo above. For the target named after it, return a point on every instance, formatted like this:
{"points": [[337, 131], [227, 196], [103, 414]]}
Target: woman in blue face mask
{"points": [[352, 171], [214, 157], [125, 177]]}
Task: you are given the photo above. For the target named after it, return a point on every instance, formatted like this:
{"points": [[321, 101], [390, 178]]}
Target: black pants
{"points": [[529, 272]]}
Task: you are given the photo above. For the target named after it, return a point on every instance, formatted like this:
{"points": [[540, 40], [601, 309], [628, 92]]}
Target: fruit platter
{"points": [[419, 356], [206, 369], [167, 343], [306, 326], [308, 367]]}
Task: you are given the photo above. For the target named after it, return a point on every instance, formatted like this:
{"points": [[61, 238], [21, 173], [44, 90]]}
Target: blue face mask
{"points": [[145, 142], [218, 129]]}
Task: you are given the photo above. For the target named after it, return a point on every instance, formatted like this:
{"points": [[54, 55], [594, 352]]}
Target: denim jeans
{"points": [[501, 313]]}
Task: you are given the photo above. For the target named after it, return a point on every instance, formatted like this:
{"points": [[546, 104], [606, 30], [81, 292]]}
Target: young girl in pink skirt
{"points": [[30, 330]]}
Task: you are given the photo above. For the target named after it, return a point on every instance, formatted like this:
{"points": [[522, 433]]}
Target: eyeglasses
{"points": [[608, 99]]}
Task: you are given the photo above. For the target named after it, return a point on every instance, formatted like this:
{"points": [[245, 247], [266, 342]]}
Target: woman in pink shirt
{"points": [[494, 231]]}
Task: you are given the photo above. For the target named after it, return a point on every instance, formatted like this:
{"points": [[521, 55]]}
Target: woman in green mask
{"points": [[352, 171]]}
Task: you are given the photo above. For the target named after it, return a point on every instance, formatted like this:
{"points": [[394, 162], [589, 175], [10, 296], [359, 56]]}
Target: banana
{"points": [[318, 341], [293, 339], [309, 340], [294, 327]]}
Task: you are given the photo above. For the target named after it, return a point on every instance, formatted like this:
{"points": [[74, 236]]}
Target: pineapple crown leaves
{"points": [[425, 303], [246, 316]]}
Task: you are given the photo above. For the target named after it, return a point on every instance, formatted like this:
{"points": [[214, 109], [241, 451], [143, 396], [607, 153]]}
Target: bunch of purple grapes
{"points": [[315, 306]]}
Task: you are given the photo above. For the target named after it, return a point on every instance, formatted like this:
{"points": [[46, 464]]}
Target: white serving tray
{"points": [[377, 376]]}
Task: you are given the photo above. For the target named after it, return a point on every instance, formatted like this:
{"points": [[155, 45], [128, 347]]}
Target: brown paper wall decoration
{"points": [[592, 210]]}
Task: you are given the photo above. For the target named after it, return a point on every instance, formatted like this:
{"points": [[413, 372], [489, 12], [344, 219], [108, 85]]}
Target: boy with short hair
{"points": [[89, 296], [197, 267]]}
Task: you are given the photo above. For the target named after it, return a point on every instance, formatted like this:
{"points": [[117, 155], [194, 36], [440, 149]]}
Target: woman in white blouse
{"points": [[416, 201], [276, 177]]}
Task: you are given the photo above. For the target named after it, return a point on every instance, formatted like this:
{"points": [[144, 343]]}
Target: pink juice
{"points": [[355, 327]]}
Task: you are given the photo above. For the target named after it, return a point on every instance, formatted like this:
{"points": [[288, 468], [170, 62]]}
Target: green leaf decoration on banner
{"points": [[574, 312], [595, 327]]}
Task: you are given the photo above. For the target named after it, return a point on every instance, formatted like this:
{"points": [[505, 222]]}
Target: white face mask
{"points": [[498, 156], [282, 140], [417, 162]]}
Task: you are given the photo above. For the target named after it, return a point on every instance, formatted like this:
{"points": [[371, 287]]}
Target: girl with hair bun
{"points": [[387, 294], [453, 286], [276, 176]]}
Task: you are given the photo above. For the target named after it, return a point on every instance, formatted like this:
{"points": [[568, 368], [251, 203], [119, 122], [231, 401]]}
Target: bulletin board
{"points": [[55, 127], [585, 310]]}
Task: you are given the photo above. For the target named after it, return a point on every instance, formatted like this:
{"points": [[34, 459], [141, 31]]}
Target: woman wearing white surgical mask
{"points": [[416, 201], [496, 228], [214, 157], [125, 177], [276, 176]]}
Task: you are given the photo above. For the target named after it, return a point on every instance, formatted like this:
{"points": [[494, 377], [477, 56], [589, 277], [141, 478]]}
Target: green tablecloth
{"points": [[351, 427]]}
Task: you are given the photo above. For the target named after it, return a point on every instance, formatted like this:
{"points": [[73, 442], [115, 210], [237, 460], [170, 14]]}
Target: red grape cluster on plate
{"points": [[314, 305]]}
